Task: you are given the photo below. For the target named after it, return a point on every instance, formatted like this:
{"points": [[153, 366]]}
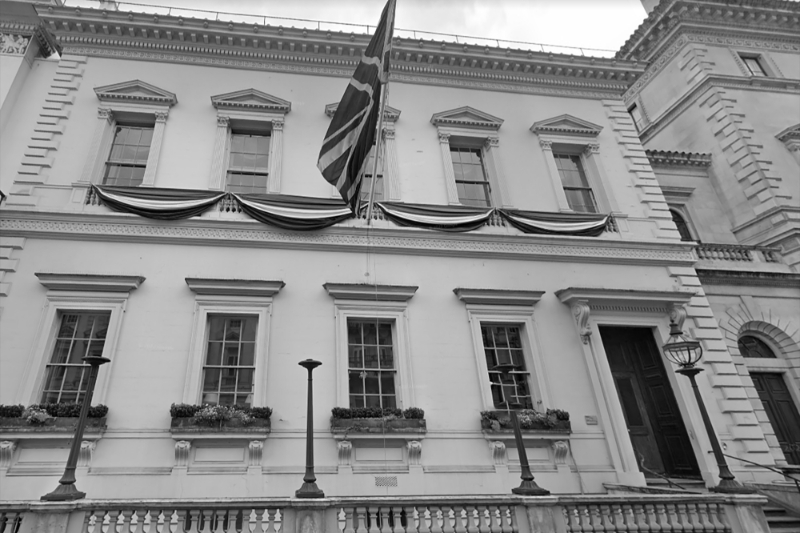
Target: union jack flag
{"points": [[352, 132]]}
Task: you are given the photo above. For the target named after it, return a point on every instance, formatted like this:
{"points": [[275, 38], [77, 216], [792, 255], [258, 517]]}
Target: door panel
{"points": [[781, 411], [657, 432]]}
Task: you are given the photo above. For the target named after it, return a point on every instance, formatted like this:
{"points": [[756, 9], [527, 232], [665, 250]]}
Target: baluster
{"points": [[484, 519], [206, 518], [694, 520], [182, 517], [271, 520], [641, 518], [628, 518], [617, 519], [89, 523], [584, 518], [373, 520], [594, 518], [702, 513], [361, 514], [651, 517], [411, 519], [348, 520], [425, 519], [607, 514], [458, 519], [716, 515], [170, 521], [472, 525], [661, 517], [113, 517], [512, 519], [672, 516], [447, 524], [258, 520], [233, 521], [397, 515], [436, 527], [385, 526]]}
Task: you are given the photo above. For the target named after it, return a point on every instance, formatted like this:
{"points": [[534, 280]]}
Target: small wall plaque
{"points": [[590, 420]]}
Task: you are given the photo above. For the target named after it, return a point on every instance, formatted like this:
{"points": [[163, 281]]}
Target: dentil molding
{"points": [[127, 228]]}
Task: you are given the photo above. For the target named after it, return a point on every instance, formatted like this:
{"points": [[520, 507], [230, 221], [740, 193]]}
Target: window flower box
{"points": [[194, 419], [58, 418], [375, 420], [530, 421]]}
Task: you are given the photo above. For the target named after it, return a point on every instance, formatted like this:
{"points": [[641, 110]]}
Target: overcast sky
{"points": [[605, 24]]}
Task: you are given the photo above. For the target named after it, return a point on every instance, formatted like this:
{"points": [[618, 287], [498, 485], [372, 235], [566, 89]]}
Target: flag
{"points": [[352, 131]]}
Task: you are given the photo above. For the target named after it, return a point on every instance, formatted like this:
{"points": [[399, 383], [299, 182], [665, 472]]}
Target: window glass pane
{"points": [[502, 346], [247, 354], [750, 346], [680, 223], [214, 354], [368, 376], [233, 383]]}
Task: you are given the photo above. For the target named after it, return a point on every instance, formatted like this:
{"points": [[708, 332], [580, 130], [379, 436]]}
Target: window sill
{"points": [[189, 429], [366, 428], [59, 427]]}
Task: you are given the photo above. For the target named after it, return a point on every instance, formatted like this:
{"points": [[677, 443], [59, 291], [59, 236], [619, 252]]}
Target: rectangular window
{"points": [[80, 334], [371, 363], [248, 167], [573, 178], [754, 66], [502, 345], [471, 181], [128, 158], [636, 115], [367, 183], [230, 360]]}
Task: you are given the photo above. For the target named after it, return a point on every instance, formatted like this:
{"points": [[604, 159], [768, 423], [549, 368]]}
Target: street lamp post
{"points": [[66, 490], [309, 488], [528, 486], [686, 353]]}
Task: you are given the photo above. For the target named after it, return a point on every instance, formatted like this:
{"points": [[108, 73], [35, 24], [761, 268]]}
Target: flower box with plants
{"points": [[530, 420], [50, 417], [187, 418], [346, 420]]}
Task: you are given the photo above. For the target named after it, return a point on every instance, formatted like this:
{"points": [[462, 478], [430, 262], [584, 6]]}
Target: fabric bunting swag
{"points": [[161, 204], [293, 212], [440, 217], [583, 224], [304, 214]]}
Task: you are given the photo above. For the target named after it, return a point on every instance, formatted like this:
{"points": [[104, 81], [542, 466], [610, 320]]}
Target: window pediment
{"points": [[251, 100], [366, 292], [467, 117], [89, 282], [567, 125], [135, 91], [389, 113], [234, 287]]}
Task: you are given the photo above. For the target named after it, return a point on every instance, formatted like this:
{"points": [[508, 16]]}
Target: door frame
{"points": [[681, 389]]}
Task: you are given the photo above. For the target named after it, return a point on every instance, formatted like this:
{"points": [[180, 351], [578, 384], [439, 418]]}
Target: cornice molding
{"points": [[467, 117], [600, 298], [371, 293], [251, 100], [703, 37], [390, 113], [89, 282], [748, 278], [498, 296], [135, 91], [234, 287], [120, 227], [769, 17], [567, 125], [299, 46], [668, 158]]}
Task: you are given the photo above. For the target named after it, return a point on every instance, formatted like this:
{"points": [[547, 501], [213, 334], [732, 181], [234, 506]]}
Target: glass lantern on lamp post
{"points": [[528, 487], [686, 353]]}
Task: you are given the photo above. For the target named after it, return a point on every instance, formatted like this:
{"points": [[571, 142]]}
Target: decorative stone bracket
{"points": [[7, 448]]}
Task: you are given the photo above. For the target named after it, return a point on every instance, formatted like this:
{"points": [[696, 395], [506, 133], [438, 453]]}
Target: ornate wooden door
{"points": [[781, 411], [656, 428]]}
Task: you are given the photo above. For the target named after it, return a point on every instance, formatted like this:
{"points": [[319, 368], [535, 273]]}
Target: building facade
{"points": [[121, 237]]}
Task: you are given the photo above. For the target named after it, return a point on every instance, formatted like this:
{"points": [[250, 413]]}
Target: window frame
{"points": [[768, 67], [641, 122], [479, 314], [229, 145], [220, 305], [486, 182], [686, 221], [582, 171], [571, 135], [108, 161], [395, 370], [221, 366], [58, 302], [129, 103]]}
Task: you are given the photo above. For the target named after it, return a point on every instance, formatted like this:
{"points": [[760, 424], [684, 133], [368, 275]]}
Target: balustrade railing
{"points": [[737, 252], [699, 513]]}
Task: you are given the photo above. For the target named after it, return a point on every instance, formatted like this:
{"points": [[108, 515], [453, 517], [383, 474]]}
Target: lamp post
{"points": [[528, 486], [686, 353], [66, 490], [309, 488]]}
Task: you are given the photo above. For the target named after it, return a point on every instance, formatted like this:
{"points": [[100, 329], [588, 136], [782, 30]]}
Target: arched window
{"points": [[683, 228], [750, 346]]}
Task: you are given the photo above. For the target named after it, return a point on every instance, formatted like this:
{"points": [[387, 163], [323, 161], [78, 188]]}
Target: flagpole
{"points": [[384, 97]]}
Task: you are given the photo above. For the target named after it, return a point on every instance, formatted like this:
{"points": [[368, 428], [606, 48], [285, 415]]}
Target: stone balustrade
{"points": [[707, 513], [738, 252]]}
